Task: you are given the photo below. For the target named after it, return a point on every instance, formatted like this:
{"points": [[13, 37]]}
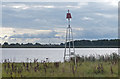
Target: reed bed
{"points": [[87, 66]]}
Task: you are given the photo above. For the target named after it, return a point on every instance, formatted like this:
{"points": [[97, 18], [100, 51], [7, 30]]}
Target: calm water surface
{"points": [[54, 54]]}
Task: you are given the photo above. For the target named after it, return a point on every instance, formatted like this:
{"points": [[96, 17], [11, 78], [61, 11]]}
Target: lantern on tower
{"points": [[68, 15]]}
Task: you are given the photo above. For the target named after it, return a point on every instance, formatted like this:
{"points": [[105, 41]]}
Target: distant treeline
{"points": [[104, 43]]}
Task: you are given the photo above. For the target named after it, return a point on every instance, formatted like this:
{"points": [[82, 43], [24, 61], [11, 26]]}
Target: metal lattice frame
{"points": [[69, 49]]}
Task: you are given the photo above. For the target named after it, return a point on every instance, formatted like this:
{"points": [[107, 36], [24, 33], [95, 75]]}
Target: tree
{"points": [[5, 44]]}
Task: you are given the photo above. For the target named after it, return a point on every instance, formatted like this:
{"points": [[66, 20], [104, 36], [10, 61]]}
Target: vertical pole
{"points": [[65, 44], [69, 35], [73, 46], [72, 40]]}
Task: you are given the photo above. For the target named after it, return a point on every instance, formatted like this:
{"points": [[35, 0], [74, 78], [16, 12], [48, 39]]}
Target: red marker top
{"points": [[68, 15]]}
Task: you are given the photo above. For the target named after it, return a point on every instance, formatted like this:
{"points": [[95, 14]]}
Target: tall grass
{"points": [[87, 66]]}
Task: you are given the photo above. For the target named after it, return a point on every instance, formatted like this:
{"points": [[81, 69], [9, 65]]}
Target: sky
{"points": [[45, 22]]}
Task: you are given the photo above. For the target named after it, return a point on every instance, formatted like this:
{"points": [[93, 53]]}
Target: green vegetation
{"points": [[104, 66], [105, 43], [86, 69], [0, 70]]}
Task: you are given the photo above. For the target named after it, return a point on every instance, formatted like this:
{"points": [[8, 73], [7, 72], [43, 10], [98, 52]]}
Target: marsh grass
{"points": [[86, 67], [0, 70], [64, 70]]}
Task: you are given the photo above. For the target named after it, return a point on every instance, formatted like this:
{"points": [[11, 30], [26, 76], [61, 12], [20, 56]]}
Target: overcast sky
{"points": [[45, 22]]}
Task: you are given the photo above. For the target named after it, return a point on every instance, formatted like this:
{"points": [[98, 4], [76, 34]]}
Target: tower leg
{"points": [[73, 45], [65, 45]]}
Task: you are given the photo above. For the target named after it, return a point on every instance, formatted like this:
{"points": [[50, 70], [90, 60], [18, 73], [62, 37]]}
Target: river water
{"points": [[53, 54]]}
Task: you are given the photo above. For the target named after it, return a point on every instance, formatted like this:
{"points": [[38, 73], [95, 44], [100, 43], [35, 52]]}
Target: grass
{"points": [[66, 69], [103, 66], [0, 70]]}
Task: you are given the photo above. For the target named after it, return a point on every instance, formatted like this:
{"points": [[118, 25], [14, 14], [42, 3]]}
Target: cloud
{"points": [[29, 21], [107, 15], [87, 18], [60, 1], [22, 32], [25, 6], [20, 7], [11, 31], [5, 37], [96, 33], [39, 35], [114, 3], [16, 6], [43, 6], [6, 32]]}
